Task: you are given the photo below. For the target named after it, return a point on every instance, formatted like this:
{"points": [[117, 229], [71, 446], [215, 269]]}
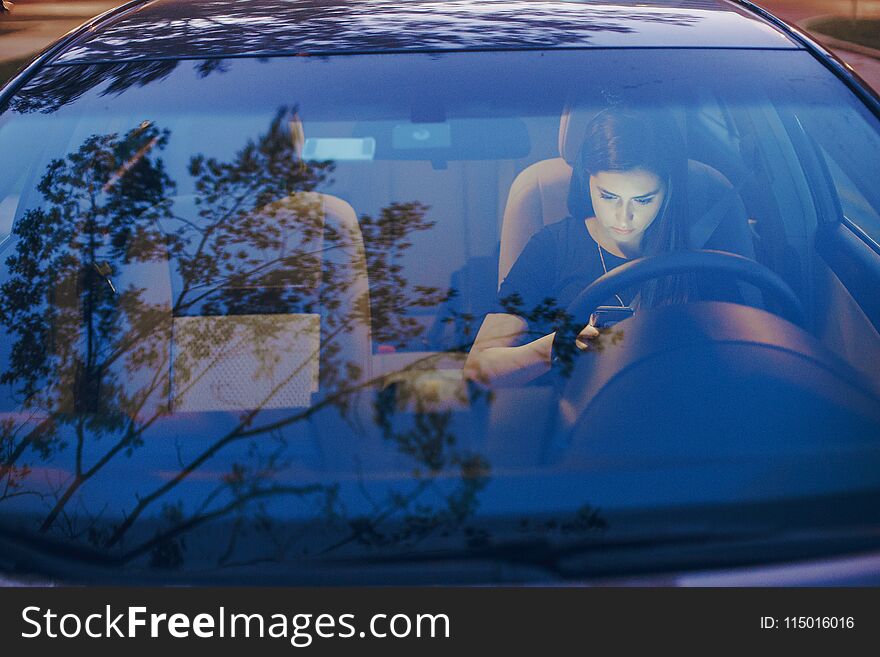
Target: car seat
{"points": [[244, 352]]}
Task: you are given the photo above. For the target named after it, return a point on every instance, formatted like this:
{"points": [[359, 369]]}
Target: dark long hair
{"points": [[623, 140]]}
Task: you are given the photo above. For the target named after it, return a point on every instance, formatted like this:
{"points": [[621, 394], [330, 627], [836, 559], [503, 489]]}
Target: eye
{"points": [[606, 196], [645, 201]]}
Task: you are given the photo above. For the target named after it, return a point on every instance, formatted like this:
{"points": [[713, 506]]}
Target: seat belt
{"points": [[702, 229]]}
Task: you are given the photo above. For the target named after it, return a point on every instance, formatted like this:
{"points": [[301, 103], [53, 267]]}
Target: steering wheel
{"points": [[679, 262]]}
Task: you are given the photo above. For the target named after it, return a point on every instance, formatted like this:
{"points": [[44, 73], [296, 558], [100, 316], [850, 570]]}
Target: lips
{"points": [[622, 231]]}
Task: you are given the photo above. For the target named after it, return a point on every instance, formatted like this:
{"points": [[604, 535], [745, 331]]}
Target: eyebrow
{"points": [[648, 195]]}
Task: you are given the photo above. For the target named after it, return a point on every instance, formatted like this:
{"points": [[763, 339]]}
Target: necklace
{"points": [[605, 269]]}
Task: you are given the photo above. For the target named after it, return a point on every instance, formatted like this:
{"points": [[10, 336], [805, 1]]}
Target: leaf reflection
{"points": [[206, 339]]}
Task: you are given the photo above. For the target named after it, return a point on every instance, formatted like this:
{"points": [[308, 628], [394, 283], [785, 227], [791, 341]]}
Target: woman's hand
{"points": [[582, 341]]}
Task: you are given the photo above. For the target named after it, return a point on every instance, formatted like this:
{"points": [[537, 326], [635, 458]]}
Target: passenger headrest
{"points": [[572, 130]]}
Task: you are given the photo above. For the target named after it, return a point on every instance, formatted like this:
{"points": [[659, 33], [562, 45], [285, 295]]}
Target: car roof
{"points": [[174, 29]]}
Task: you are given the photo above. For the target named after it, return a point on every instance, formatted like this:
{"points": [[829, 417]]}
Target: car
{"points": [[247, 248]]}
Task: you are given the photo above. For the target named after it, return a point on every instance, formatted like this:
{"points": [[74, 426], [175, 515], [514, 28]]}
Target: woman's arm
{"points": [[494, 361]]}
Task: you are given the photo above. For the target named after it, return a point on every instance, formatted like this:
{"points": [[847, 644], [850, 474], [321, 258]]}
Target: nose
{"points": [[624, 213]]}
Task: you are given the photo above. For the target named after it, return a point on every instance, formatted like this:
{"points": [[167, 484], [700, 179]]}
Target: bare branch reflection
{"points": [[352, 25], [202, 346]]}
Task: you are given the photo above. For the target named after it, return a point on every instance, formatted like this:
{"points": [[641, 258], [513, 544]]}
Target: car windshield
{"points": [[239, 296]]}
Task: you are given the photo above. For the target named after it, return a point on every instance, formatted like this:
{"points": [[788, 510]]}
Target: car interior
{"points": [[740, 179], [350, 304]]}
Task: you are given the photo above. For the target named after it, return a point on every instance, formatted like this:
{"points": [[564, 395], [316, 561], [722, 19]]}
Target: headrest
{"points": [[572, 130]]}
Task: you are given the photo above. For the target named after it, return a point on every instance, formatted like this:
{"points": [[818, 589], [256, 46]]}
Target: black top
{"points": [[557, 263]]}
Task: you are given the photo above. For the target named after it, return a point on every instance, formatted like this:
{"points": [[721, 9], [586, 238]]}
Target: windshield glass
{"points": [[241, 303]]}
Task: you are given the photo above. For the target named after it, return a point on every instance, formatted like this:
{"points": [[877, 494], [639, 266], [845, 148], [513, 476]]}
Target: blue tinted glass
{"points": [[261, 314]]}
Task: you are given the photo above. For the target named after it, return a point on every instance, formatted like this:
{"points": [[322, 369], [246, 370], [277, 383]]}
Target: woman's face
{"points": [[626, 203]]}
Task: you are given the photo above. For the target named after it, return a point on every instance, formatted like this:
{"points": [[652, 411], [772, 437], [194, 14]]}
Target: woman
{"points": [[627, 200]]}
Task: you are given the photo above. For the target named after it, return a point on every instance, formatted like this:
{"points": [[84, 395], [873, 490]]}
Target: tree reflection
{"points": [[267, 27], [53, 87], [549, 313], [125, 301], [145, 47]]}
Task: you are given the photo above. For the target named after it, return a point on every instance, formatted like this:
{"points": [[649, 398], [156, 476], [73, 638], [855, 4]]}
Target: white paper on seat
{"points": [[243, 362]]}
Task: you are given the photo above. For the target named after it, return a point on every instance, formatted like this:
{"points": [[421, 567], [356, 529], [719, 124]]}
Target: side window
{"points": [[8, 206], [849, 139], [855, 206], [10, 203]]}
